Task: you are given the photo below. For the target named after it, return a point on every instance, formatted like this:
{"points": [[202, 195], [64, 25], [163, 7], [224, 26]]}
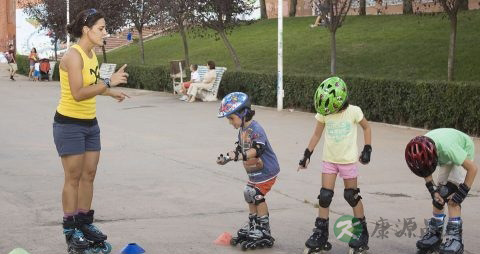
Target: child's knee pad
{"points": [[253, 195], [325, 197], [352, 196]]}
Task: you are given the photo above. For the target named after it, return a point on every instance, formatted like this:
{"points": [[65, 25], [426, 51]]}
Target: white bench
{"points": [[210, 94], [180, 75]]}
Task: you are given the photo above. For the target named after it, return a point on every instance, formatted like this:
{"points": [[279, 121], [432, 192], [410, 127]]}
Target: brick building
{"points": [[7, 23], [304, 7]]}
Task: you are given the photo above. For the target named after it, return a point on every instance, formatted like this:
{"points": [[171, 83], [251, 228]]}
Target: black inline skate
{"points": [[318, 241], [76, 242], [453, 243], [360, 245], [95, 237], [243, 232], [431, 241], [259, 236]]}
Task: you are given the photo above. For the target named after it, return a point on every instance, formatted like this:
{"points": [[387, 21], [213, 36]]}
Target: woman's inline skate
{"points": [[95, 237]]}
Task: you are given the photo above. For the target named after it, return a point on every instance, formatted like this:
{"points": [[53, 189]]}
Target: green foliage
{"points": [[147, 77], [23, 65], [387, 46], [414, 103], [56, 71], [423, 104]]}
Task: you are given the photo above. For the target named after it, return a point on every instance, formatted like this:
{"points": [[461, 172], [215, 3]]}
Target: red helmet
{"points": [[421, 156]]}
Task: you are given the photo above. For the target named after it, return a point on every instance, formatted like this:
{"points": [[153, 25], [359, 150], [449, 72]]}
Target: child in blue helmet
{"points": [[261, 164]]}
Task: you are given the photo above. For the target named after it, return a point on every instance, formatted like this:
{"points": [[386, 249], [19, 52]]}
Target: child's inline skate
{"points": [[259, 236], [431, 241], [243, 232], [318, 241], [453, 243], [360, 245], [97, 240]]}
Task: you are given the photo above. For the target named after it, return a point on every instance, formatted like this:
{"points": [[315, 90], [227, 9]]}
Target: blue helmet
{"points": [[234, 103]]}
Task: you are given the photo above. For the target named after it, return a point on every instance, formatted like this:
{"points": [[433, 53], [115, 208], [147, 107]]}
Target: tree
{"points": [[293, 8], [51, 15], [451, 7], [407, 6], [362, 10], [263, 10], [50, 18], [141, 13], [333, 12], [180, 13], [222, 16]]}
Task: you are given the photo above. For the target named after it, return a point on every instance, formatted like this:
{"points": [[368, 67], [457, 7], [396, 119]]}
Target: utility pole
{"points": [[68, 22], [280, 92]]}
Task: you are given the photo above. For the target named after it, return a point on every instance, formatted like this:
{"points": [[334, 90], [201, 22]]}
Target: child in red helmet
{"points": [[449, 149]]}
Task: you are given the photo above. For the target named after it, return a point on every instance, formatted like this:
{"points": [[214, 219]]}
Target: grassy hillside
{"points": [[393, 47]]}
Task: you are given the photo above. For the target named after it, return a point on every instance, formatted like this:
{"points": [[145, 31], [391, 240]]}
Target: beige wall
{"points": [[7, 23]]}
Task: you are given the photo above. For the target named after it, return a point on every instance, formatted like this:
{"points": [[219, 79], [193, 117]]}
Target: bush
{"points": [[56, 71], [424, 104], [147, 77], [23, 65], [430, 105]]}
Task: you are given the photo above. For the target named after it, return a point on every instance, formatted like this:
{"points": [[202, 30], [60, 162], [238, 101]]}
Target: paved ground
{"points": [[158, 184]]}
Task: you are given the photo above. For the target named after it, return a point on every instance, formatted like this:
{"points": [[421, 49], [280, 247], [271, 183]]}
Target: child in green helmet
{"points": [[340, 153]]}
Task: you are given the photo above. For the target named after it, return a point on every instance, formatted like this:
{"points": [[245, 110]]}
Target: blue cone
{"points": [[132, 248]]}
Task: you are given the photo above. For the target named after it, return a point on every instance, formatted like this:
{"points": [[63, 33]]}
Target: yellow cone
{"points": [[18, 251]]}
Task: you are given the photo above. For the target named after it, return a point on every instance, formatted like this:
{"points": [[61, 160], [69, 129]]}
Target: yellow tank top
{"points": [[67, 106]]}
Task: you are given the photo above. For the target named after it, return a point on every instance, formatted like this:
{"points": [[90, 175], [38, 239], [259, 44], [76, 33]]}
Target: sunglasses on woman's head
{"points": [[90, 12]]}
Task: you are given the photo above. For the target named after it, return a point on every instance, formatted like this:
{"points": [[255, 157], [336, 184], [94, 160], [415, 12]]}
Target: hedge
{"points": [[23, 65], [155, 78], [424, 104]]}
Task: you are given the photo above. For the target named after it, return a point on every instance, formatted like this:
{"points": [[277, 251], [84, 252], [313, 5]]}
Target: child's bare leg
{"points": [[352, 196], [262, 209], [326, 194], [252, 208], [351, 185], [454, 211]]}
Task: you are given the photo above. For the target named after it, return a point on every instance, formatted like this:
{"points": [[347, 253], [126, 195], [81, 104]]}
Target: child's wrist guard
{"points": [[461, 193]]}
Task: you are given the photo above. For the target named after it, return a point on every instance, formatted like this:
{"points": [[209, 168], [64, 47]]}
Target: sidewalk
{"points": [[158, 184]]}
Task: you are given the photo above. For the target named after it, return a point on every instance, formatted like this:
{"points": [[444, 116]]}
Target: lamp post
{"points": [[68, 22], [280, 92]]}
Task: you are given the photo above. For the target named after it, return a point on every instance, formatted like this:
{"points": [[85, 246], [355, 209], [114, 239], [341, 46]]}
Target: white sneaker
{"points": [[183, 98]]}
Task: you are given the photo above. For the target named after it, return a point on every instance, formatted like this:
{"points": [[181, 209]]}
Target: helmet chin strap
{"points": [[242, 116]]}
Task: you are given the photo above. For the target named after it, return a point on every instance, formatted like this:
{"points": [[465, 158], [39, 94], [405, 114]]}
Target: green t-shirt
{"points": [[453, 146]]}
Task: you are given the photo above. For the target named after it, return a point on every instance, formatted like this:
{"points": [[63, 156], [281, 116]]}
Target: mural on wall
{"points": [[31, 35]]}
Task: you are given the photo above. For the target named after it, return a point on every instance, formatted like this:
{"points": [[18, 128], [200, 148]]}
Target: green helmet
{"points": [[330, 96]]}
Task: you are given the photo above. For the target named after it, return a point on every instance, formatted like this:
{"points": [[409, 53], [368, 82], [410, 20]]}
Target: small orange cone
{"points": [[223, 239]]}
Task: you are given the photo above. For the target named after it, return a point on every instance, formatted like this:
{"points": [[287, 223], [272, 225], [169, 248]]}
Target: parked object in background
{"points": [[44, 69]]}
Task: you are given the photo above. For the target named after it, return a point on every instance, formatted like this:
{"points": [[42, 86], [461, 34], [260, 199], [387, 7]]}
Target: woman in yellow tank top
{"points": [[76, 132]]}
